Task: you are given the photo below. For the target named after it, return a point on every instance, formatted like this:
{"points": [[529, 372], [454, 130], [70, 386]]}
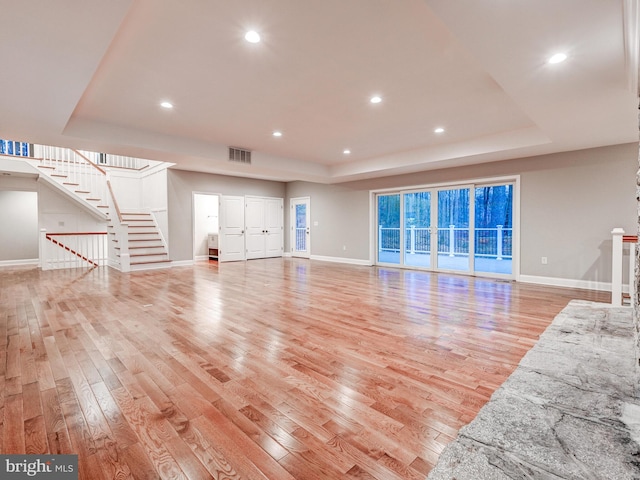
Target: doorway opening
{"points": [[206, 226]]}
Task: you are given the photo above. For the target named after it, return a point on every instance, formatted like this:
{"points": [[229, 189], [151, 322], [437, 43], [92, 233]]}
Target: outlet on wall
{"points": [[344, 247], [544, 260]]}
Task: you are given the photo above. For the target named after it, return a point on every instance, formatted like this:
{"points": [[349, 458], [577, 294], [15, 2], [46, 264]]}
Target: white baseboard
{"points": [[287, 255], [200, 258], [570, 283], [16, 263], [350, 261], [182, 263]]}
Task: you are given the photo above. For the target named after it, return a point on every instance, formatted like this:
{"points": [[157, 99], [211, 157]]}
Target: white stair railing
{"points": [[117, 161], [72, 250], [74, 171]]}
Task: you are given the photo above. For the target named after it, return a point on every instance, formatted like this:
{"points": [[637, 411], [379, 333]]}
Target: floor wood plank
{"points": [[268, 369]]}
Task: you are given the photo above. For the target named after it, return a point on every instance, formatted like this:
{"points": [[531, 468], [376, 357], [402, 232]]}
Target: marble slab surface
{"points": [[569, 411]]}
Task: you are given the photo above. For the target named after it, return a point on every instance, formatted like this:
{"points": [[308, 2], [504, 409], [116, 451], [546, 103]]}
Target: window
{"points": [[10, 147]]}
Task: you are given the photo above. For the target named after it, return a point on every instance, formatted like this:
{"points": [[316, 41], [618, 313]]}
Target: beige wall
{"points": [[570, 202], [342, 216], [181, 186]]}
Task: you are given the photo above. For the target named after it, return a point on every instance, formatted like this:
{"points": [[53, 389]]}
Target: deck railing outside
{"points": [[489, 242], [301, 239]]}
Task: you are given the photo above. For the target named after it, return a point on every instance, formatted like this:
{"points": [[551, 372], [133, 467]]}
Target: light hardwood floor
{"points": [[278, 369]]}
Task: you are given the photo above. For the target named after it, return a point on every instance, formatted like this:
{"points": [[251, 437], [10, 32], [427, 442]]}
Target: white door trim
{"points": [[292, 224]]}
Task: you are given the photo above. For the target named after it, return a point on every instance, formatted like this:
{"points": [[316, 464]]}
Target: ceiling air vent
{"points": [[239, 155]]}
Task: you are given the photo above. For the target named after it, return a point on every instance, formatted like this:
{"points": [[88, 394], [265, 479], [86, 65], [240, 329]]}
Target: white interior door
{"points": [[273, 226], [255, 227], [300, 220], [232, 233]]}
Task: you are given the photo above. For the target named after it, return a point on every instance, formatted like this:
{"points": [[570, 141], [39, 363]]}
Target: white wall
{"points": [[127, 189], [59, 214], [153, 186], [205, 221]]}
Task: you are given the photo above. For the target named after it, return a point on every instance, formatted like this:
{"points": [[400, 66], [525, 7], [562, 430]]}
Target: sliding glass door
{"points": [[417, 229], [466, 228], [494, 229], [389, 228], [453, 229]]}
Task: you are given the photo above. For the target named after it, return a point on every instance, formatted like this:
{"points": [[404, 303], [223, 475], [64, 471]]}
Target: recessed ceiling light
{"points": [[346, 151], [252, 36], [557, 58], [277, 134], [375, 99], [439, 130], [166, 105]]}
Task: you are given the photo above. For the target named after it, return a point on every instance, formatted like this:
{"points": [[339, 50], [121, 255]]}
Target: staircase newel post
{"points": [[616, 267], [42, 261]]}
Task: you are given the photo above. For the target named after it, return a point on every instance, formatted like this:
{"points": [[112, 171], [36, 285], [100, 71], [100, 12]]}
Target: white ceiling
{"points": [[90, 74]]}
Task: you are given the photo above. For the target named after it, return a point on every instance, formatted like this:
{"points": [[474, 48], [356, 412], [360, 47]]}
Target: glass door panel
{"points": [[301, 227], [389, 228], [493, 229], [453, 229], [417, 228]]}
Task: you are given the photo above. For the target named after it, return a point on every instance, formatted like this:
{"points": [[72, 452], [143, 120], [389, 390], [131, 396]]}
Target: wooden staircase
{"points": [[136, 242], [144, 241], [89, 197]]}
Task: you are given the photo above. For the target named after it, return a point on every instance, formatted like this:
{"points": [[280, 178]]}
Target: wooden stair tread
{"points": [[150, 262]]}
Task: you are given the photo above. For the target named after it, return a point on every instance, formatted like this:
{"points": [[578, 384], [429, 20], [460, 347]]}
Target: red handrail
{"points": [[77, 233], [70, 250], [630, 239]]}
